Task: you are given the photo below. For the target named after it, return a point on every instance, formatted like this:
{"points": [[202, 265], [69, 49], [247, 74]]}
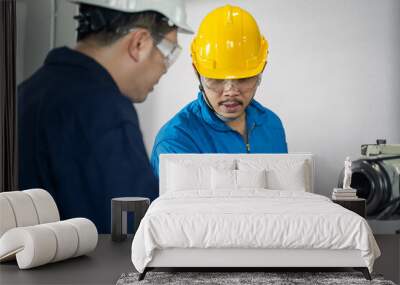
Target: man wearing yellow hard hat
{"points": [[229, 56]]}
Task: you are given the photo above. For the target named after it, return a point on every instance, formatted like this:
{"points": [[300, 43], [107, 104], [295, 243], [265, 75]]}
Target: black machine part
{"points": [[373, 183]]}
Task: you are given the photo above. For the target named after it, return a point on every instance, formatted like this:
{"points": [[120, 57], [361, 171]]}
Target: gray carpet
{"points": [[270, 278]]}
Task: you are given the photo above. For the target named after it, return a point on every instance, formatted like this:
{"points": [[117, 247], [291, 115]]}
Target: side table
{"points": [[357, 205], [119, 208]]}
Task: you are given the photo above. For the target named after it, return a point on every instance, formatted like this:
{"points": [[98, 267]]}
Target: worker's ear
{"points": [[140, 44]]}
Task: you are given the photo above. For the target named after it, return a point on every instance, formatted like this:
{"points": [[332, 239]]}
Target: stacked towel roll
{"points": [[37, 245], [26, 208], [31, 230]]}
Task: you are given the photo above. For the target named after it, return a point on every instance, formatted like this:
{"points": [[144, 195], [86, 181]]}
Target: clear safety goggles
{"points": [[242, 84], [169, 50]]}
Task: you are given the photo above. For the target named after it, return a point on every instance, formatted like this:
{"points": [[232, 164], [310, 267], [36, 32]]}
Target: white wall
{"points": [[41, 25], [34, 21], [333, 74], [65, 28]]}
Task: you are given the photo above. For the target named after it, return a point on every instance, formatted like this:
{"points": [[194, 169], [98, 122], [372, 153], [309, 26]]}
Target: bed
{"points": [[246, 211]]}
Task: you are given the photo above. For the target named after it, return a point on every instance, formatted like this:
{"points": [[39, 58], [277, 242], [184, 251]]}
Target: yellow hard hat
{"points": [[228, 45]]}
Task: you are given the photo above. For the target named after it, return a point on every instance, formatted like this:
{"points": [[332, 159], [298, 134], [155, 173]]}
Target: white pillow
{"points": [[251, 178], [236, 179], [291, 178], [284, 174], [182, 177], [188, 175], [223, 179]]}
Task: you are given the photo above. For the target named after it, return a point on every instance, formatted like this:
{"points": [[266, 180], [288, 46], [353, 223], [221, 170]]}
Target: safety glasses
{"points": [[169, 50], [243, 84]]}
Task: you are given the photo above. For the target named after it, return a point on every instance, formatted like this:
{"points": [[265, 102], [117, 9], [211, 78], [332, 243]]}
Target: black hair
{"points": [[106, 26]]}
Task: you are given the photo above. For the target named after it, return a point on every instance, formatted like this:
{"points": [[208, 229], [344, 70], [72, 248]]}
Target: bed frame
{"points": [[245, 259]]}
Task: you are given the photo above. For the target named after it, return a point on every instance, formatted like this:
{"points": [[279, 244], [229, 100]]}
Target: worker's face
{"points": [[154, 64], [230, 98]]}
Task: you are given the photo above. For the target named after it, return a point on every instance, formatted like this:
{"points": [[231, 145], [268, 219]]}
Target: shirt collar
{"points": [[255, 114], [67, 56]]}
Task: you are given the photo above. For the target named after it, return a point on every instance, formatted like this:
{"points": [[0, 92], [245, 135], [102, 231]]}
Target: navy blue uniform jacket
{"points": [[79, 138]]}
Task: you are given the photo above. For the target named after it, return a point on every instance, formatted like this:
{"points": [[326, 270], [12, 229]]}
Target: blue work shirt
{"points": [[196, 129], [79, 138]]}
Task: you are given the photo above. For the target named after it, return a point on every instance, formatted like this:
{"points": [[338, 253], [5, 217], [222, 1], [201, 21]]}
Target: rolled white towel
{"points": [[26, 208], [23, 208], [37, 245], [7, 218], [33, 246], [45, 205], [87, 234], [67, 240]]}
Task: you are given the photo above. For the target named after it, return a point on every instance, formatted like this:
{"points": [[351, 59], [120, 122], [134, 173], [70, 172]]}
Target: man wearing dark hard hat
{"points": [[79, 135]]}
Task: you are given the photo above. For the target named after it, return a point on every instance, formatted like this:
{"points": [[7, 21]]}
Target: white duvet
{"points": [[250, 219]]}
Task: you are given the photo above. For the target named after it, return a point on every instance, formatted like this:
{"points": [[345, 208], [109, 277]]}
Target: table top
{"points": [[130, 199], [348, 200], [104, 265]]}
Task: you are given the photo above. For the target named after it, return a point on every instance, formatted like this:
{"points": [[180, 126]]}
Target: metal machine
{"points": [[376, 176]]}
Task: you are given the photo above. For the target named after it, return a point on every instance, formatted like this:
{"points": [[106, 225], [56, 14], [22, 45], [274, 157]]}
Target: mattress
{"points": [[252, 219]]}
